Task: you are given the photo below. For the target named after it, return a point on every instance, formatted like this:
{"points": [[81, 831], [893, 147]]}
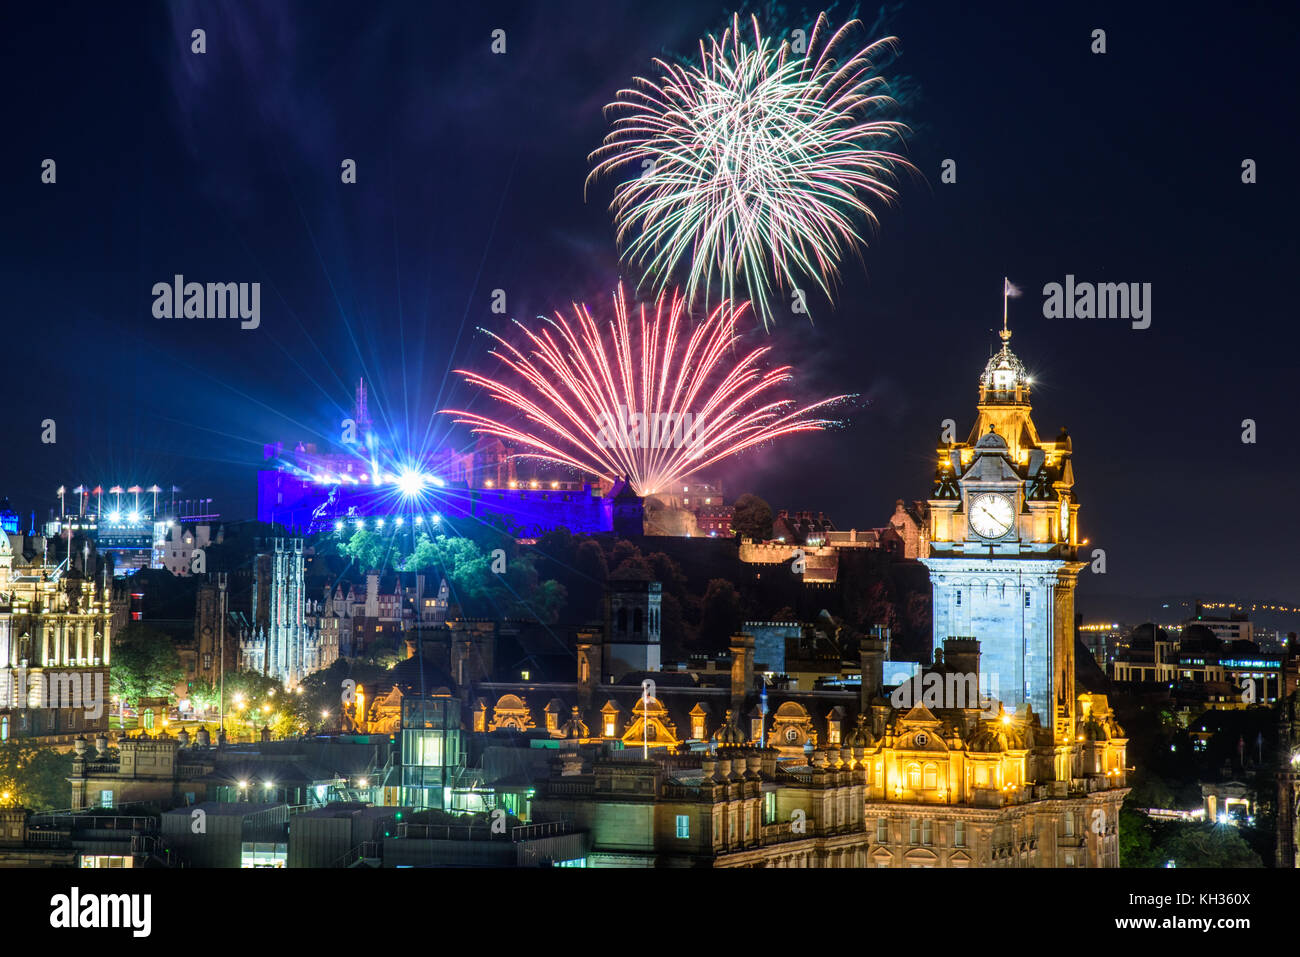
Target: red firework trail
{"points": [[647, 398]]}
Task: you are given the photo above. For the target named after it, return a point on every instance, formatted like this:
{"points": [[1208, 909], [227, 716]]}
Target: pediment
{"points": [[920, 714]]}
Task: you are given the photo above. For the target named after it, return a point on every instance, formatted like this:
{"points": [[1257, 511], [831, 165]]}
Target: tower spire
{"points": [[1008, 292], [362, 415]]}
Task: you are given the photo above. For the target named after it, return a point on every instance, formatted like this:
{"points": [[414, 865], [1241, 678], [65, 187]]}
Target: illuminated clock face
{"points": [[792, 735], [991, 515]]}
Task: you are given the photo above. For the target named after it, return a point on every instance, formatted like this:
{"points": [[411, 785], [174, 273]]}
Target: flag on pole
{"points": [[1010, 289]]}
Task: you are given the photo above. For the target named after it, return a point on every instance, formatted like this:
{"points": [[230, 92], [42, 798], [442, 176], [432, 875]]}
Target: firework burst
{"points": [[647, 398], [755, 166]]}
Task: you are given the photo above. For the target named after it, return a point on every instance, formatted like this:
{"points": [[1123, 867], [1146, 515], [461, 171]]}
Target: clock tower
{"points": [[1004, 548]]}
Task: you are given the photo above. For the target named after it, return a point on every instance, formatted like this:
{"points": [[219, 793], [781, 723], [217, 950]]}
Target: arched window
{"points": [[931, 777], [914, 776]]}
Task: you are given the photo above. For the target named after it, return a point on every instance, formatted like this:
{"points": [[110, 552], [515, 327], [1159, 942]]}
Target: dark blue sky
{"points": [[225, 167]]}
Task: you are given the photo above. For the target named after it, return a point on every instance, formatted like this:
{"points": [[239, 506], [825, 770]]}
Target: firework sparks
{"points": [[755, 166], [648, 398]]}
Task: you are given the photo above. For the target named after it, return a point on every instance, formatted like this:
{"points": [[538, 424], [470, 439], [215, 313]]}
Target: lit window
{"points": [[609, 729], [683, 826]]}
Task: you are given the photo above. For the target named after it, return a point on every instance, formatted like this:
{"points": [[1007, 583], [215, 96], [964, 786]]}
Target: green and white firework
{"points": [[758, 167]]}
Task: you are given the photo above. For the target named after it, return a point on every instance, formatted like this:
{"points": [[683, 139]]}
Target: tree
{"points": [[370, 549], [587, 583], [751, 518], [721, 616], [1207, 845], [480, 587], [144, 663], [666, 570], [635, 568], [204, 694], [673, 632], [1136, 839], [881, 607], [34, 777]]}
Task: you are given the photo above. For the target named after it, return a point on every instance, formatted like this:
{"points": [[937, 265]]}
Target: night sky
{"points": [[225, 167]]}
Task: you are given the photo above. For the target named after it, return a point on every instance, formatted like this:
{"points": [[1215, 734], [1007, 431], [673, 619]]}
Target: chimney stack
{"points": [[742, 669], [872, 653], [962, 655], [589, 665]]}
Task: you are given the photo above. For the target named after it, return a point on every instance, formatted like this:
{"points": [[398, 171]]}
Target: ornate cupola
{"points": [[1005, 379]]}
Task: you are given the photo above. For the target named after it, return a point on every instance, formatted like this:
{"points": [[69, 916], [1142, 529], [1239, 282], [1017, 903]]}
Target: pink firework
{"points": [[647, 396]]}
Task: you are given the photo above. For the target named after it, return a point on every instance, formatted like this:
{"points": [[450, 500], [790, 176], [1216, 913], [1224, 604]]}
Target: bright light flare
{"points": [[411, 482]]}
